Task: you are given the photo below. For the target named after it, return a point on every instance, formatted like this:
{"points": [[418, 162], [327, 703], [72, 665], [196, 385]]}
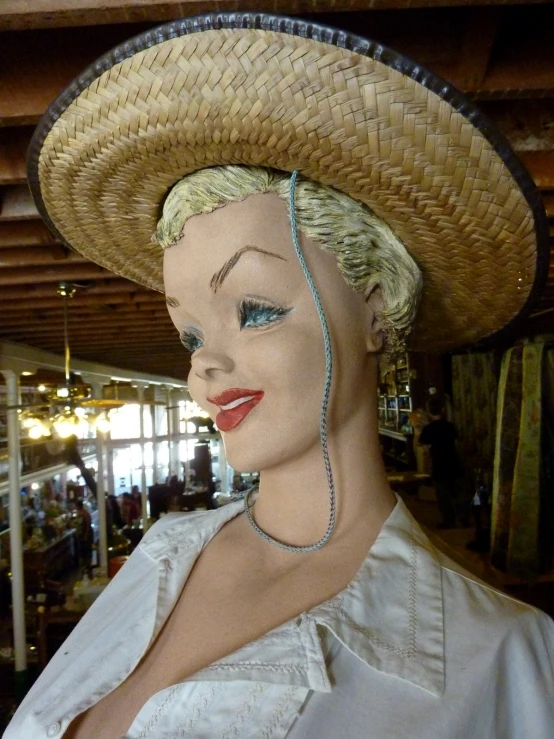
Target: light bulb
{"points": [[35, 432], [64, 427], [41, 388], [80, 412], [102, 423], [28, 423]]}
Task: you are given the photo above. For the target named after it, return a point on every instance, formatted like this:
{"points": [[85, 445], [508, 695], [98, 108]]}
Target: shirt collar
{"points": [[390, 615]]}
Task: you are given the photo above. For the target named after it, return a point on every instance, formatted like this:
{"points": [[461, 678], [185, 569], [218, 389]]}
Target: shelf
{"points": [[395, 403], [393, 434], [398, 460]]}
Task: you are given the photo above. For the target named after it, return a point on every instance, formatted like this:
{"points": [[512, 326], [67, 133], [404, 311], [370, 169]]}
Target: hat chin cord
{"points": [[323, 420]]}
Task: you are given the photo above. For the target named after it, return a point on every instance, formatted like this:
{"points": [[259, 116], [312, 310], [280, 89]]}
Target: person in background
{"points": [[29, 515], [440, 436], [117, 519], [136, 496], [129, 510], [84, 533]]}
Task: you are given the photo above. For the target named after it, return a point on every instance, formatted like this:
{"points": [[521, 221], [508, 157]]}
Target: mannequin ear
{"points": [[375, 325]]}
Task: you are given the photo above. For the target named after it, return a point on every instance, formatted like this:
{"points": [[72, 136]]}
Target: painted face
{"points": [[243, 308]]}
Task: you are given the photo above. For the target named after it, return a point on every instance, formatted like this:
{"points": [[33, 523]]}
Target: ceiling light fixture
{"points": [[69, 409]]}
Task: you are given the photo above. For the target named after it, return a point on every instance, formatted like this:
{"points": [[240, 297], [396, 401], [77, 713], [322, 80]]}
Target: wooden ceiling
{"points": [[501, 55]]}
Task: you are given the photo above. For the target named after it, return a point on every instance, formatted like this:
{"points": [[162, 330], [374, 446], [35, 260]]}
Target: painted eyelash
{"points": [[254, 313], [191, 341]]}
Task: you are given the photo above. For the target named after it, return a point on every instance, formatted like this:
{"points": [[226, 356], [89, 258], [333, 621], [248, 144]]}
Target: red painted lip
{"points": [[230, 418]]}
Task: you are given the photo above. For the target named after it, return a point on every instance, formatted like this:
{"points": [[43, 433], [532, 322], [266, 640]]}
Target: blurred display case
{"points": [[396, 393]]}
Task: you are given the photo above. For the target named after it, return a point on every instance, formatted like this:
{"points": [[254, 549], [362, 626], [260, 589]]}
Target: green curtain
{"points": [[474, 385], [516, 545]]}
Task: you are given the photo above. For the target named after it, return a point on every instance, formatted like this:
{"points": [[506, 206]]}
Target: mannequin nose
{"points": [[207, 363]]}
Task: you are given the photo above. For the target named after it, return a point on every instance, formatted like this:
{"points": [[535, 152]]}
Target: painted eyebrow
{"points": [[172, 302], [217, 279]]}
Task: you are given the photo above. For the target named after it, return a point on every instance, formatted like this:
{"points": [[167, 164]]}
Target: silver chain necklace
{"points": [[288, 547], [324, 403]]}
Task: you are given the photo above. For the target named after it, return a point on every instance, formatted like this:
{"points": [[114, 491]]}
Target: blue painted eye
{"points": [[191, 341], [254, 313]]}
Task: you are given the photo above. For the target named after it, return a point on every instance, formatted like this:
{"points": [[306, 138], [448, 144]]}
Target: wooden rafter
{"points": [[16, 204], [473, 61], [53, 13]]}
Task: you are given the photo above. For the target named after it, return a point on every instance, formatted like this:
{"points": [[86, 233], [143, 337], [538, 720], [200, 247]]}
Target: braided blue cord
{"points": [[325, 400]]}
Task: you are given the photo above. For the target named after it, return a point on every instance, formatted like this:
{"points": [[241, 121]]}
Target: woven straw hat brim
{"points": [[266, 90]]}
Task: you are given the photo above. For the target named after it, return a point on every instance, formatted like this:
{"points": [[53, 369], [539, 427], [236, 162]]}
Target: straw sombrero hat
{"points": [[245, 88]]}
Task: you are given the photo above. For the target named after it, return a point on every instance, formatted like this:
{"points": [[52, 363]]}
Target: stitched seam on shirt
{"points": [[246, 709], [158, 713], [197, 712], [278, 713], [175, 547], [175, 541], [412, 628], [410, 651], [256, 665]]}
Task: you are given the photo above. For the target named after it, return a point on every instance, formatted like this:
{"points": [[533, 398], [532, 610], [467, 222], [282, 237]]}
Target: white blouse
{"points": [[413, 648]]}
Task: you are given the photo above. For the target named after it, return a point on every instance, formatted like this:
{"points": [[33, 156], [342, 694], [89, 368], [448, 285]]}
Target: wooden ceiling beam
{"points": [[16, 321], [38, 255], [528, 126], [101, 311], [21, 14], [123, 320], [522, 64], [140, 310], [97, 291], [14, 305], [13, 148], [16, 204], [84, 327], [106, 335], [25, 233], [540, 165], [65, 272], [473, 60]]}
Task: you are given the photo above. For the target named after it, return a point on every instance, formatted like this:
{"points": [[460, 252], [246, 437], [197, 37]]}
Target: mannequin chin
{"points": [[242, 306]]}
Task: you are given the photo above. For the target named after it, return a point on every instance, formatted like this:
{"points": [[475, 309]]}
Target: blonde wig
{"points": [[367, 251]]}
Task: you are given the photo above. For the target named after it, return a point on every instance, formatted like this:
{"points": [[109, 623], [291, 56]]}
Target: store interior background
{"points": [[125, 349]]}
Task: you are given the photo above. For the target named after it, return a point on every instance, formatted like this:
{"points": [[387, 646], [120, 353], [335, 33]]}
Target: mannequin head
{"points": [[237, 295]]}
